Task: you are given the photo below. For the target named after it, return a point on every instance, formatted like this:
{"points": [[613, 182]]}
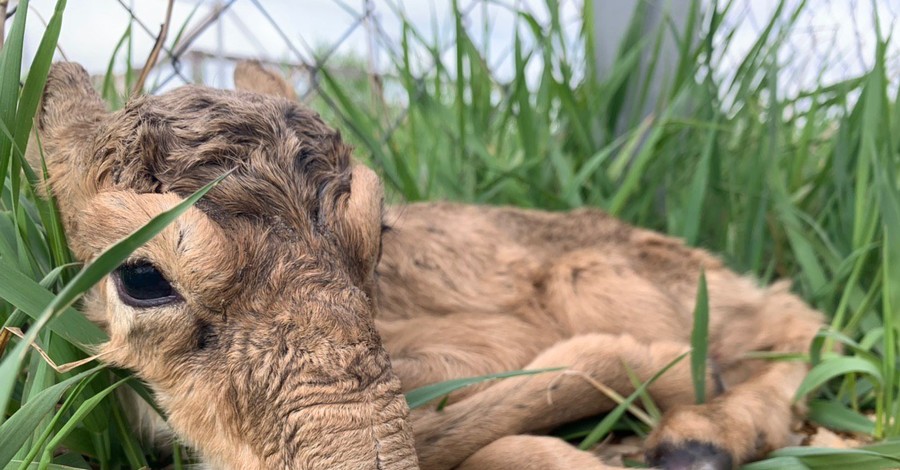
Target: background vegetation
{"points": [[803, 187]]}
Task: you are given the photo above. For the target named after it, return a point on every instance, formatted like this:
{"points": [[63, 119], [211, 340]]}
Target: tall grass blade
{"points": [[18, 428], [76, 418], [700, 340]]}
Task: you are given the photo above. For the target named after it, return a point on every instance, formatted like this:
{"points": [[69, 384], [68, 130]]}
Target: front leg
{"points": [[533, 403], [754, 416]]}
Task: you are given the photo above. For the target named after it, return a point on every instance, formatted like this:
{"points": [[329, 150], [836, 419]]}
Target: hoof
{"points": [[689, 455]]}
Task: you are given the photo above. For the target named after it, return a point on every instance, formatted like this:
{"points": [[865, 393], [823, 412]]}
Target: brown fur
{"points": [[273, 358]]}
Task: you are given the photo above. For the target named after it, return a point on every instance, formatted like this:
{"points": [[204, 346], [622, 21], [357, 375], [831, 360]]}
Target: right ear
{"points": [[67, 121], [357, 224], [252, 76]]}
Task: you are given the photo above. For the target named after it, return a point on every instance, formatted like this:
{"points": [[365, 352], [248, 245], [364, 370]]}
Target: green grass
{"points": [[803, 187]]}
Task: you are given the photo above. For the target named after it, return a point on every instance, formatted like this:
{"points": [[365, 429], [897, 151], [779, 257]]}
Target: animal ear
{"points": [[252, 76], [67, 121], [68, 116], [358, 226]]}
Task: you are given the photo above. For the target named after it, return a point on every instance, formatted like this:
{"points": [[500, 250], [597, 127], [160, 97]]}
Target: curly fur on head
{"points": [[272, 324], [290, 166]]}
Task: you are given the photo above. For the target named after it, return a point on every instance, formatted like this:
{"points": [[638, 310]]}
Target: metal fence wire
{"points": [[831, 40]]}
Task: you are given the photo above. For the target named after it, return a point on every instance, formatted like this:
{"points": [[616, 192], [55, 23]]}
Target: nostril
{"points": [[206, 335], [690, 455]]}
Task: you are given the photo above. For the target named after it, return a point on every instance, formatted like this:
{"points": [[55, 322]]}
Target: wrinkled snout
{"points": [[324, 406]]}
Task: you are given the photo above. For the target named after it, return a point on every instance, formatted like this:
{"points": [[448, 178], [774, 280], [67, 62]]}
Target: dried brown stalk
{"points": [[610, 393], [154, 53], [61, 368]]}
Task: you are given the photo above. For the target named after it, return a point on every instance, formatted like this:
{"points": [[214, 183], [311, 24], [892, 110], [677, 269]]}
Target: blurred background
{"points": [[830, 40], [680, 115]]}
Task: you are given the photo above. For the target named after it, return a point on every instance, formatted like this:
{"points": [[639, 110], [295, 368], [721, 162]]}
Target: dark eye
{"points": [[142, 285]]}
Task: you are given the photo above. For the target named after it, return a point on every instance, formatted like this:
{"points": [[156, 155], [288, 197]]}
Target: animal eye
{"points": [[142, 285]]}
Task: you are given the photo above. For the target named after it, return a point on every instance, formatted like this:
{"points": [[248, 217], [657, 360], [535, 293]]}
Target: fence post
{"points": [[611, 22], [3, 5]]}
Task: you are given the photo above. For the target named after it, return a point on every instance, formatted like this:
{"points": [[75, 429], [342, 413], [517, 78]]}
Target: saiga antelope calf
{"points": [[280, 320]]}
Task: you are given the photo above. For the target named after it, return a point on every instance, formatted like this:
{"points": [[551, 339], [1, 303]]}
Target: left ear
{"points": [[252, 76], [70, 115]]}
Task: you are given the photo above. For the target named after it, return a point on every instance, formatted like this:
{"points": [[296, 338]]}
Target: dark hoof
{"points": [[690, 455]]}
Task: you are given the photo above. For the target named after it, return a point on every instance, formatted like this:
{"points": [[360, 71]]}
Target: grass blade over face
{"points": [[105, 263], [113, 256], [31, 298]]}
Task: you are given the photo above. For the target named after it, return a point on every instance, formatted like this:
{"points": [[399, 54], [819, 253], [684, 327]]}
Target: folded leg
{"points": [[753, 417], [539, 402]]}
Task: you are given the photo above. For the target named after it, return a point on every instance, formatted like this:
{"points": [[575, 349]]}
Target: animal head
{"points": [[251, 316]]}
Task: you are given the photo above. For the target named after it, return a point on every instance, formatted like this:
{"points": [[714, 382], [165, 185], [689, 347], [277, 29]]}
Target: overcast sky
{"points": [[835, 36]]}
